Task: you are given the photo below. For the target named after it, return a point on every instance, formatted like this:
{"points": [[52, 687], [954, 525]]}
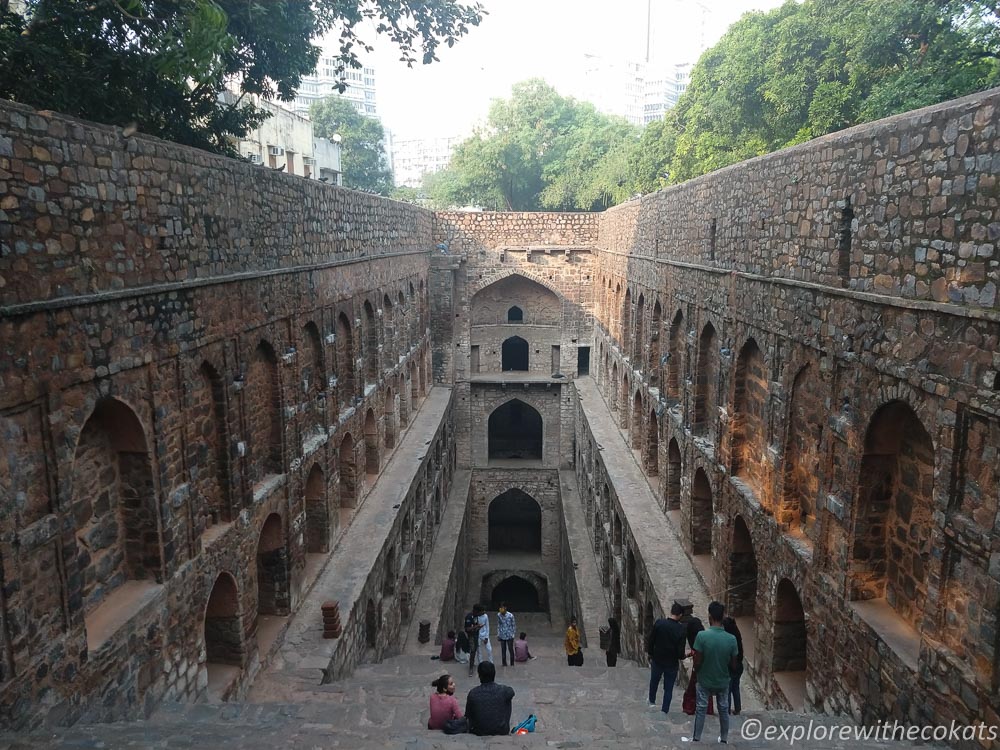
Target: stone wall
{"points": [[804, 350], [205, 366]]}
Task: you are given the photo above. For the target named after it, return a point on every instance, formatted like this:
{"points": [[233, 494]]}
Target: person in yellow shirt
{"points": [[574, 654]]}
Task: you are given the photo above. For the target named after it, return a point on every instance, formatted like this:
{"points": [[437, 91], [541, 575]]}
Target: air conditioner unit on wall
{"points": [[275, 150], [254, 158], [309, 161]]}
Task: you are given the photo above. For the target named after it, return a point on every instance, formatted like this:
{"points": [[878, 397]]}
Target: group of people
{"points": [[472, 643], [717, 667], [487, 707]]}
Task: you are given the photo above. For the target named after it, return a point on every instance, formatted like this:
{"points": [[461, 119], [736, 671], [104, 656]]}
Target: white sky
{"points": [[522, 39]]}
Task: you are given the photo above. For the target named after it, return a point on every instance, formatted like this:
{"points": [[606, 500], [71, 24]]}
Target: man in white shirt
{"points": [[485, 647]]}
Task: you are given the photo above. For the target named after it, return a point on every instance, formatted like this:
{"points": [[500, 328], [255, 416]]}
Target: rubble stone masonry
{"points": [[205, 365], [804, 350]]}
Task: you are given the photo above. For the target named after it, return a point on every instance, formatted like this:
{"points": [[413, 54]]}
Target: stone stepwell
{"points": [[386, 706]]}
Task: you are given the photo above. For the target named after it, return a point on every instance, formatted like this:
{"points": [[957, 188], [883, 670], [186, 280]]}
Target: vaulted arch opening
{"points": [[519, 594], [114, 502], [313, 378], [208, 446], [348, 473], [515, 523], [800, 489], [706, 396], [370, 325], [515, 314], [749, 424], [651, 450], [273, 580], [702, 514], [675, 350], [317, 534], [788, 660], [673, 476], [514, 355], [225, 651], [635, 436], [346, 385], [264, 413], [371, 443], [653, 359], [515, 432], [893, 520], [516, 299], [742, 572]]}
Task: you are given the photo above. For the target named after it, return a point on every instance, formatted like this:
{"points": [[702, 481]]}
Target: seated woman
{"points": [[521, 652], [444, 705], [448, 647]]}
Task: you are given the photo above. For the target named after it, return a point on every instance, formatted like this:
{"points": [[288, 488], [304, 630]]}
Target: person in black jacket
{"points": [[488, 706], [735, 704], [665, 648]]}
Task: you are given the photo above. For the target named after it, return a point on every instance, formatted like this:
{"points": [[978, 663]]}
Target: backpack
{"points": [[471, 626]]}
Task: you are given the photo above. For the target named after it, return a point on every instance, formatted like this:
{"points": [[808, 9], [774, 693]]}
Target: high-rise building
{"points": [[414, 157], [322, 83], [641, 92]]}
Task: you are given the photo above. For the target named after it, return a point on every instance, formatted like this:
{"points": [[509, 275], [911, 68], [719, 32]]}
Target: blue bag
{"points": [[528, 724]]}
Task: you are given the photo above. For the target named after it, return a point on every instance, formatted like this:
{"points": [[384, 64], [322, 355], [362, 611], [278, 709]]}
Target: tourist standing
{"points": [[735, 704], [488, 706], [485, 646], [715, 655], [506, 630], [444, 705], [574, 654], [471, 628], [694, 626], [666, 647], [614, 642]]}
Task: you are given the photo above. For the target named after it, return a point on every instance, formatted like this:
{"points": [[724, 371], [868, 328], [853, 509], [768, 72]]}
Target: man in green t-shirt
{"points": [[715, 654]]}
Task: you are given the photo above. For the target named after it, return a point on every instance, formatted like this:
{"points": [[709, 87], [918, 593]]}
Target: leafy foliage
{"points": [[162, 65], [538, 150], [362, 156], [806, 69]]}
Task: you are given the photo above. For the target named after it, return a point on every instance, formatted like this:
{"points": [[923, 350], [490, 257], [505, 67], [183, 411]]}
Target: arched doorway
{"points": [[635, 436], [389, 411], [514, 355], [515, 315], [371, 443], [515, 432], [515, 523], [345, 362], [114, 497], [893, 522], [651, 450], [705, 399], [348, 473], [518, 594], [371, 343], [675, 347], [273, 584], [225, 653], [317, 518], [673, 476], [750, 417], [263, 402], [702, 514], [788, 660], [653, 362], [742, 572]]}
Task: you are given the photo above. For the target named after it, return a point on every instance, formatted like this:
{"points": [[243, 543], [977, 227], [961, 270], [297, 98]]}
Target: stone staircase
{"points": [[385, 706]]}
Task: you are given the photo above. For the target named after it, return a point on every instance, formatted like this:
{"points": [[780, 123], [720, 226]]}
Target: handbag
{"points": [[456, 726]]}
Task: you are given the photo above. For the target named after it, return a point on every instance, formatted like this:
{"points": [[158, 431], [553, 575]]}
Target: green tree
{"points": [[806, 69], [538, 150], [362, 155], [162, 66]]}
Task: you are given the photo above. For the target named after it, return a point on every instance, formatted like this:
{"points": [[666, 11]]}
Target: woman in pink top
{"points": [[444, 705]]}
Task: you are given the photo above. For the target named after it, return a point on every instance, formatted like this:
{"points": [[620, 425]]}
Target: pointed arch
{"points": [[702, 514], [514, 354], [346, 384], [673, 476], [370, 326], [317, 512], [800, 488], [264, 413], [706, 389], [515, 431], [651, 449], [347, 468], [114, 502], [675, 350], [371, 443], [655, 331], [749, 422]]}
